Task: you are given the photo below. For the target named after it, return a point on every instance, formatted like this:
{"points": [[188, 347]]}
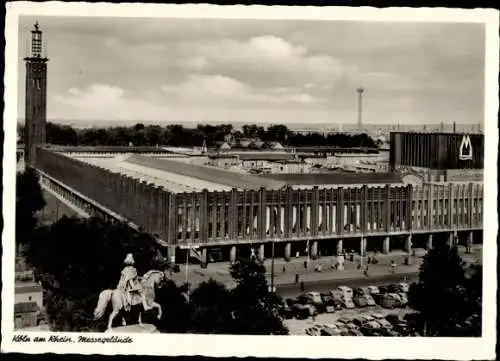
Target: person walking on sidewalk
{"points": [[302, 286], [393, 266], [296, 278], [284, 268]]}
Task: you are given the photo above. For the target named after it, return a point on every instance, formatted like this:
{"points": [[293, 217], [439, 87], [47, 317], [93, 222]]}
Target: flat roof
{"points": [[208, 175], [25, 307], [167, 178], [28, 287], [336, 178]]}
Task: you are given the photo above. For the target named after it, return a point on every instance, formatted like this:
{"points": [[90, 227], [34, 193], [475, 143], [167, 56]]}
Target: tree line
{"points": [[177, 135], [78, 258]]}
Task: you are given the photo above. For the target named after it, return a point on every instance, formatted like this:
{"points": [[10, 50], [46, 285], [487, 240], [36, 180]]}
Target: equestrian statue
{"points": [[132, 290]]}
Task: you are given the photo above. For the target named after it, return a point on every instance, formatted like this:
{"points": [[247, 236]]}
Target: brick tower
{"points": [[36, 97]]}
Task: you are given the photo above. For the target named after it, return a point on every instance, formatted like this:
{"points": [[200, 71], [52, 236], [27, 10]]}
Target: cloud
{"points": [[103, 101], [213, 88], [270, 54]]}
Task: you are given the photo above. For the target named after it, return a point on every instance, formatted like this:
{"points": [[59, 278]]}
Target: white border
{"points": [[263, 346]]}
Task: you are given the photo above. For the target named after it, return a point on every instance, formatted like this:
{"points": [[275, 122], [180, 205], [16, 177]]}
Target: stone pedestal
{"points": [[386, 247], [232, 254], [340, 247], [288, 251], [429, 242], [260, 253], [362, 247], [314, 250], [204, 256]]}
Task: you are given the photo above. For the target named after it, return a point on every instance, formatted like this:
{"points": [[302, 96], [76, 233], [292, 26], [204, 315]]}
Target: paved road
{"points": [[292, 290]]}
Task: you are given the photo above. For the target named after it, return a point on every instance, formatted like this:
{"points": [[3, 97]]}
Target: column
{"points": [[232, 254], [363, 246], [408, 244], [386, 247], [204, 258], [451, 239], [260, 253], [288, 251], [429, 242], [171, 253], [340, 247], [314, 250]]}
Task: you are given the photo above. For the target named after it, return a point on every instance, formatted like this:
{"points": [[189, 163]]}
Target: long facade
{"points": [[257, 216]]}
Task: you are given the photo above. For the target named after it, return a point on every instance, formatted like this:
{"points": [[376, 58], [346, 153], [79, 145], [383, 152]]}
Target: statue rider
{"points": [[130, 282]]}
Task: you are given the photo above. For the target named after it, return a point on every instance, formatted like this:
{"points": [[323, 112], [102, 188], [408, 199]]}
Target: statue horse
{"points": [[149, 281]]}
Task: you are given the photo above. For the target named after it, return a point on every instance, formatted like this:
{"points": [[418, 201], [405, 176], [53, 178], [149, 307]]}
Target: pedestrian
{"points": [[365, 272], [284, 268], [296, 278], [314, 316], [369, 260], [302, 286], [305, 264], [393, 266]]}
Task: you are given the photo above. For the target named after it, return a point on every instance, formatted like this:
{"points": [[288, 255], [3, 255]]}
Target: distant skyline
{"points": [[259, 71]]}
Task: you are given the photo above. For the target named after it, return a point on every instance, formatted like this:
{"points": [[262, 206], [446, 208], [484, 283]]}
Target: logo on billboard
{"points": [[465, 149]]}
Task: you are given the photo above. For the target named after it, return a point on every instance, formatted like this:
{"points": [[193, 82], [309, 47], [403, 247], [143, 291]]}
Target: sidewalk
{"points": [[220, 271]]}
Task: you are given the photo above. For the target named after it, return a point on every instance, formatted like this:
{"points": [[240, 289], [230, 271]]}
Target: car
{"points": [[313, 331], [377, 316], [384, 323], [360, 291], [382, 289], [404, 299], [393, 288], [290, 302], [373, 289], [351, 326], [394, 318], [349, 304], [369, 300], [329, 303], [359, 321], [390, 300], [346, 291], [286, 312], [360, 300], [337, 294], [315, 297], [302, 312], [377, 297], [356, 333], [343, 321], [404, 287]]}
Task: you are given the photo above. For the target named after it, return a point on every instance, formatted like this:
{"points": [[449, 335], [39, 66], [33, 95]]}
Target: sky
{"points": [[263, 71]]}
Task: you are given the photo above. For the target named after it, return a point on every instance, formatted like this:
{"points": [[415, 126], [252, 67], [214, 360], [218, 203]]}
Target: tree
{"points": [[29, 200], [255, 309], [211, 303], [445, 297], [78, 258]]}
